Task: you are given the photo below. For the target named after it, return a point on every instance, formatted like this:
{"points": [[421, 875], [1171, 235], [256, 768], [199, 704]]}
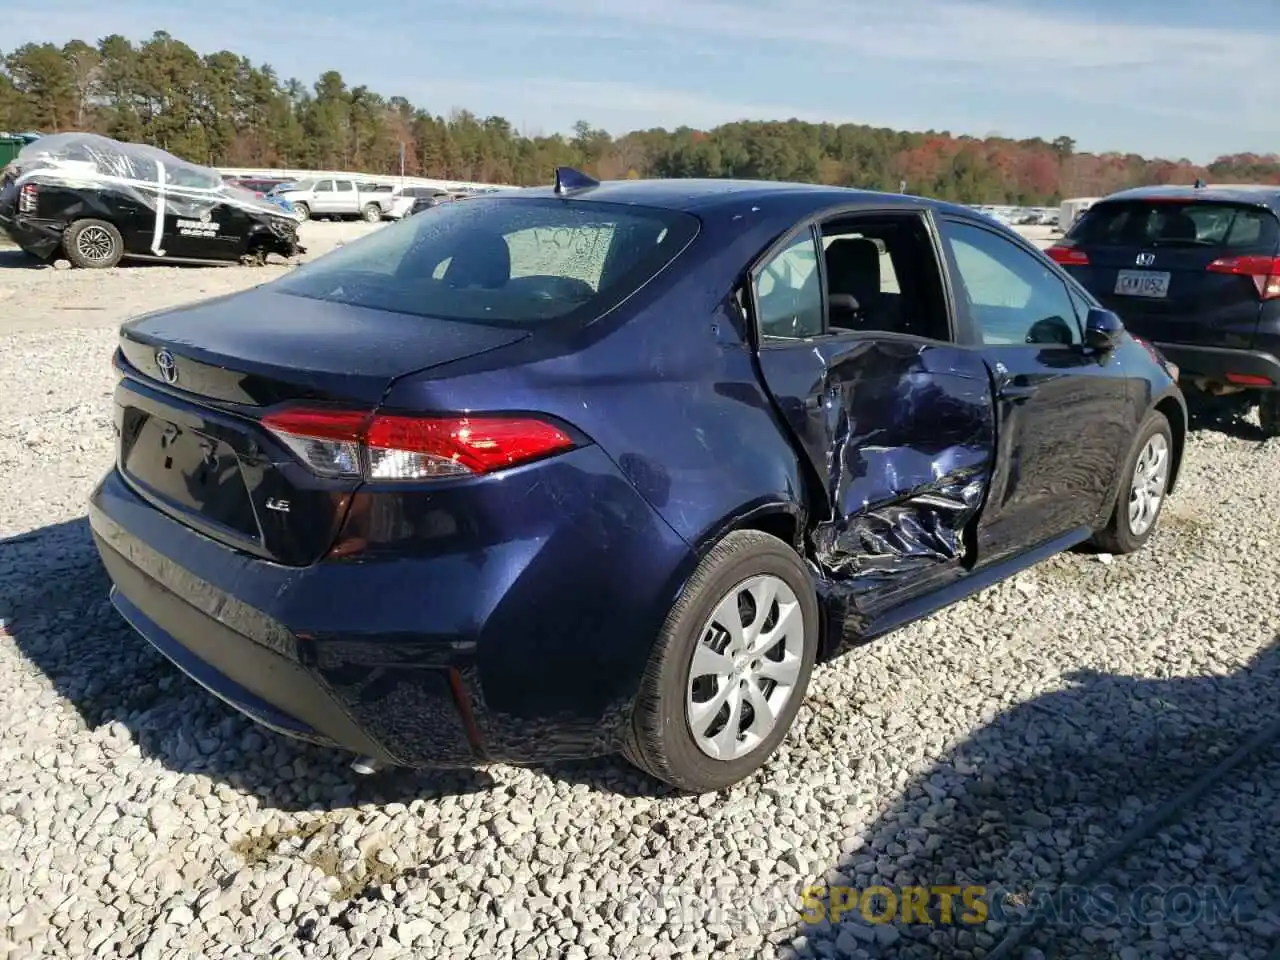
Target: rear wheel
{"points": [[1269, 413], [1145, 483], [372, 213], [730, 668], [93, 244]]}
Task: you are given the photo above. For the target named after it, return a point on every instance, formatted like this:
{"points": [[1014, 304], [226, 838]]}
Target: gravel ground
{"points": [[1002, 742]]}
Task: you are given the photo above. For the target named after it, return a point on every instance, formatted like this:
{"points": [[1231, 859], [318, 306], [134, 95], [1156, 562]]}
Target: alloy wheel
{"points": [[95, 243]]}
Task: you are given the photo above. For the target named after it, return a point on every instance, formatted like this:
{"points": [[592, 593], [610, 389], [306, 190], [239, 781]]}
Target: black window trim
{"points": [[1019, 242], [812, 224]]}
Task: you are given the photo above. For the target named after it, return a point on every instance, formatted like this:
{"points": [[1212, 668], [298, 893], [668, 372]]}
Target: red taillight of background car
{"points": [[362, 445], [1264, 271], [1068, 256], [28, 198]]}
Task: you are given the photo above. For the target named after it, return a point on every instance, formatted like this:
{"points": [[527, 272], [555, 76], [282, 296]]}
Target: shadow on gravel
{"points": [[1031, 799], [53, 603], [1227, 415], [15, 258]]}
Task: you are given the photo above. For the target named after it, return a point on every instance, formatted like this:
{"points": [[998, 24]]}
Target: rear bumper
{"points": [[40, 238], [1217, 364], [521, 652]]}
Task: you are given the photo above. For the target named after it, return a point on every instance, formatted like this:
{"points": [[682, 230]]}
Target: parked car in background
{"points": [[97, 201], [1196, 270], [1070, 210], [336, 197], [421, 203], [407, 198], [476, 488], [261, 186]]}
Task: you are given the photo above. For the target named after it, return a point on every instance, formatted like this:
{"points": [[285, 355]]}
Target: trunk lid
{"points": [[1149, 262], [198, 379], [260, 348]]}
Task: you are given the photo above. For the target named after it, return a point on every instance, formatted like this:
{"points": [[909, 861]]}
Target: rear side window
{"points": [[1193, 224], [502, 261]]}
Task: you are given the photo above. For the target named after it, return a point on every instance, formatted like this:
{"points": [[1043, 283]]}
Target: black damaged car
{"points": [[97, 201]]}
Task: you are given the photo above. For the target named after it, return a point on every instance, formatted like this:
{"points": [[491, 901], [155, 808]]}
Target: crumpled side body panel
{"points": [[912, 454]]}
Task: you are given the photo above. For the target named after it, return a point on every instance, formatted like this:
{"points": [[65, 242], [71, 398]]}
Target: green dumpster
{"points": [[9, 147]]}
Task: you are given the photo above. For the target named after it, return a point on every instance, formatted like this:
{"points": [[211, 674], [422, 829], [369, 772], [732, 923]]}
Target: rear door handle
{"points": [[1011, 388]]}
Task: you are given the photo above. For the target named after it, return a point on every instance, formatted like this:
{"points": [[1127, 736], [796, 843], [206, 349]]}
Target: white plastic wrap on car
{"points": [[149, 176]]}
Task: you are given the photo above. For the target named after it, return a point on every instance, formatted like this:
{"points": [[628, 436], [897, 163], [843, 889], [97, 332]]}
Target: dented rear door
{"points": [[900, 434]]}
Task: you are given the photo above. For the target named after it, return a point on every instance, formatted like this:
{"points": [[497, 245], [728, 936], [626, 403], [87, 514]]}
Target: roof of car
{"points": [[702, 195], [1262, 195]]}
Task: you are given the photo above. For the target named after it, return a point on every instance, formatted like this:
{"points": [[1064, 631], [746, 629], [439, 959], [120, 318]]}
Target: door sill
{"points": [[966, 586]]}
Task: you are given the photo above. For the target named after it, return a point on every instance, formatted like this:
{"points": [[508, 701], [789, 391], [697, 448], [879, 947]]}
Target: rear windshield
{"points": [[509, 261], [1190, 224]]}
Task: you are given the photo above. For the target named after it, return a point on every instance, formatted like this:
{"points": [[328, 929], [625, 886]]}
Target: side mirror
{"points": [[1102, 330]]}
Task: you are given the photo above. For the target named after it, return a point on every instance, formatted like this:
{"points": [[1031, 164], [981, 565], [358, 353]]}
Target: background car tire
{"points": [[660, 740], [1269, 413], [372, 213], [1118, 536], [303, 211], [92, 244]]}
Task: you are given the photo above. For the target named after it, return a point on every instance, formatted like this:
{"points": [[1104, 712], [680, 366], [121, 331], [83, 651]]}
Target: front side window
{"points": [[1012, 297], [324, 186], [788, 291], [507, 262]]}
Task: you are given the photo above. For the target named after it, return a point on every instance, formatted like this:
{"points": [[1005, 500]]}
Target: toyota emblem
{"points": [[167, 365]]}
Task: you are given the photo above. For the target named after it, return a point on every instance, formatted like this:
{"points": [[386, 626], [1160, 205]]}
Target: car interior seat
{"points": [[1179, 226], [853, 271], [482, 260]]}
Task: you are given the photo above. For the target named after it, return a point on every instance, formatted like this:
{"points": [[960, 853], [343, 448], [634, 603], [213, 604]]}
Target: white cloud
{"points": [[954, 32], [629, 105]]}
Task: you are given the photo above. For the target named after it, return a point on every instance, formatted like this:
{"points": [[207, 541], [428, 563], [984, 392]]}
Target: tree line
{"points": [[221, 109]]}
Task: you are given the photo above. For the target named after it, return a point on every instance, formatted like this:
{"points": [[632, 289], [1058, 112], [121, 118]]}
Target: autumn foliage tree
{"points": [[220, 109]]}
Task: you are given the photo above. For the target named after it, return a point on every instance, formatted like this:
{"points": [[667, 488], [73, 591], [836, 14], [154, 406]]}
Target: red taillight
{"points": [[1264, 271], [1068, 256], [1248, 380], [28, 197], [359, 444]]}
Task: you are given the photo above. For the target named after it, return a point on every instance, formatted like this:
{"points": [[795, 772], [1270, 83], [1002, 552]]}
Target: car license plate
{"points": [[1142, 283]]}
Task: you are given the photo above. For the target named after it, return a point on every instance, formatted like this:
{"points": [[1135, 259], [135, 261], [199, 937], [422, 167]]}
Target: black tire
{"points": [[372, 213], [92, 244], [659, 740], [1269, 413], [1117, 536], [303, 211]]}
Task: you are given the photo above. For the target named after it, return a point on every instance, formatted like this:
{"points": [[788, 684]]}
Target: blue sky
{"points": [[1175, 78]]}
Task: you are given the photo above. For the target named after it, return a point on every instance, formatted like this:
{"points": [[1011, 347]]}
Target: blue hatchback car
{"points": [[609, 467]]}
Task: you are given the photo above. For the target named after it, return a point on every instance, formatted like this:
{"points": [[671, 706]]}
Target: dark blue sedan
{"points": [[609, 467]]}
